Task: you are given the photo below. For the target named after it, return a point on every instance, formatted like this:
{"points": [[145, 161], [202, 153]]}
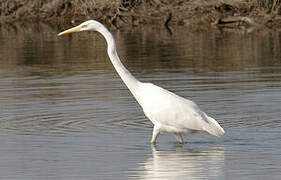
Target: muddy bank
{"points": [[133, 13]]}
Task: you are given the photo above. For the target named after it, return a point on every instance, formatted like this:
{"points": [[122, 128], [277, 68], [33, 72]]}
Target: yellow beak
{"points": [[71, 30]]}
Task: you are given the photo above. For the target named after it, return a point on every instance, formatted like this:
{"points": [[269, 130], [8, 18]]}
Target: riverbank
{"points": [[133, 13]]}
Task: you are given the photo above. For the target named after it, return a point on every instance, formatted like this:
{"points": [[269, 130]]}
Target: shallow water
{"points": [[65, 114]]}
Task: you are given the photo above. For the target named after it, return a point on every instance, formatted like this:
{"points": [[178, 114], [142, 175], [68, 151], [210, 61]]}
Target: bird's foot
{"points": [[153, 143]]}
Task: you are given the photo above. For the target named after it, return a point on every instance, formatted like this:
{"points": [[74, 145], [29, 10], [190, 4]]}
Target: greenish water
{"points": [[65, 114]]}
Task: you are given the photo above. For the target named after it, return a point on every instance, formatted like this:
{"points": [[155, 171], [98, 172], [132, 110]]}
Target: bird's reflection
{"points": [[183, 163]]}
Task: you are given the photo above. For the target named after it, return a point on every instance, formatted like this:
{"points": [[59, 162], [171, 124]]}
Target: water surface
{"points": [[65, 114]]}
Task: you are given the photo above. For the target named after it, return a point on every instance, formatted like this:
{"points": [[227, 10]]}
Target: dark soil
{"points": [[132, 13]]}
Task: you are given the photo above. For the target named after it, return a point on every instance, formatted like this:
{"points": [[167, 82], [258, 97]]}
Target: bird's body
{"points": [[174, 114], [167, 111]]}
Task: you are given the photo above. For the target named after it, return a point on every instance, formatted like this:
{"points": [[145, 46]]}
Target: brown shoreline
{"points": [[132, 13]]}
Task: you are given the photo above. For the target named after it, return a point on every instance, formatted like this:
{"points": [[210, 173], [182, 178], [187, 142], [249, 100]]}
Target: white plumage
{"points": [[167, 111]]}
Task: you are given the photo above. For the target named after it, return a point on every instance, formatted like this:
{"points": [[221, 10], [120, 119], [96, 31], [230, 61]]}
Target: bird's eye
{"points": [[84, 26]]}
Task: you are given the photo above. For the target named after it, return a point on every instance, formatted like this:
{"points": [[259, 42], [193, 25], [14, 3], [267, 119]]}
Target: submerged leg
{"points": [[155, 133], [178, 136]]}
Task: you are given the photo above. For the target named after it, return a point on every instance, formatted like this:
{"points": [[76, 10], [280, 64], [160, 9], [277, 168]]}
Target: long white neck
{"points": [[131, 82]]}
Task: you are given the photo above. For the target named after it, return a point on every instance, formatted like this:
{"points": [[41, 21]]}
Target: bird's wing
{"points": [[170, 110]]}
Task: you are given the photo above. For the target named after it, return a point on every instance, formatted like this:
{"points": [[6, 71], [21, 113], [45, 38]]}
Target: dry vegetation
{"points": [[120, 13]]}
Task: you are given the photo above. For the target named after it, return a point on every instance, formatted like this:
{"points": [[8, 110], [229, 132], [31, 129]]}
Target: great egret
{"points": [[167, 111]]}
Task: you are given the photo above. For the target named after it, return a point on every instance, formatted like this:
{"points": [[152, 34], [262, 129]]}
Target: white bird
{"points": [[167, 111]]}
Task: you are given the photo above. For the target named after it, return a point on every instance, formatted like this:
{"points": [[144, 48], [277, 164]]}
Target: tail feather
{"points": [[214, 128]]}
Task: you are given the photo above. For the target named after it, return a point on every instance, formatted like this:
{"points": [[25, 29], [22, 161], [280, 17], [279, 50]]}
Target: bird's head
{"points": [[90, 25]]}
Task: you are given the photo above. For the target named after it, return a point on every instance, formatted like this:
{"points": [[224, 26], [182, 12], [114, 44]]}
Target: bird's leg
{"points": [[154, 134], [178, 136]]}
